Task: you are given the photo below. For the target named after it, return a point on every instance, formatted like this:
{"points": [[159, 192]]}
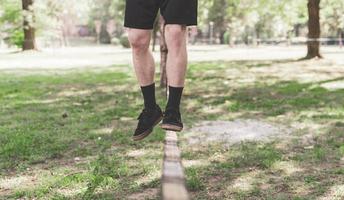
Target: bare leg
{"points": [[143, 61], [142, 57], [177, 54], [176, 69]]}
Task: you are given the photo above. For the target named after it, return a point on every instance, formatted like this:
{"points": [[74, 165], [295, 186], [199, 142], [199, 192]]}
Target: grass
{"points": [[68, 136]]}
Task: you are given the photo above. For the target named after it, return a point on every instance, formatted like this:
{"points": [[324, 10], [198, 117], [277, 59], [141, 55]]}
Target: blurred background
{"points": [[248, 22]]}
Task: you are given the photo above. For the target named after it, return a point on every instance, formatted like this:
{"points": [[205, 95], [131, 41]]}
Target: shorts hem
{"points": [[192, 22], [179, 23], [138, 27]]}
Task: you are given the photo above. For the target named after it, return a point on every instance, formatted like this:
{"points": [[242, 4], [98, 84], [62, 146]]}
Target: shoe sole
{"points": [[171, 127], [147, 132]]}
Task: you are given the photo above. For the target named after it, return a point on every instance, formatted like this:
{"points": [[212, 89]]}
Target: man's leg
{"points": [[176, 69], [177, 54], [142, 57], [144, 68]]}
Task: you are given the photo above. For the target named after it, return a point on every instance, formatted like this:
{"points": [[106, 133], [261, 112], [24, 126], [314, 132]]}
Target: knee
{"points": [[175, 36], [138, 42]]}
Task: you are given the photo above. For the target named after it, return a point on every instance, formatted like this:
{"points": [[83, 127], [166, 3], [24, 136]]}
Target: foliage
{"points": [[105, 11], [332, 16], [10, 20], [242, 19], [124, 41], [17, 38]]}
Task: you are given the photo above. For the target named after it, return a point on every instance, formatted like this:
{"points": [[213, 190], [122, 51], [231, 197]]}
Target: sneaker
{"points": [[172, 121], [147, 120]]}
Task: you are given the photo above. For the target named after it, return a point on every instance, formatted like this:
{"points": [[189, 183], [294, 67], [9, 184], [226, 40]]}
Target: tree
{"points": [[332, 11], [106, 11], [28, 27], [313, 44], [217, 15]]}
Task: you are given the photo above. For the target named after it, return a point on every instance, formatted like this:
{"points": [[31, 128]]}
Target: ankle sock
{"points": [[174, 97], [148, 93]]}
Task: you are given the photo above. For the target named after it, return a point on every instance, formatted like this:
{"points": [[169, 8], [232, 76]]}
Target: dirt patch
{"points": [[146, 194], [8, 184], [236, 131]]}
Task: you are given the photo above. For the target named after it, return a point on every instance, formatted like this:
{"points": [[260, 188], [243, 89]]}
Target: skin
{"points": [[143, 60]]}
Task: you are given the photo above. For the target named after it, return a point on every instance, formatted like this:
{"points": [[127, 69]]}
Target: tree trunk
{"points": [[313, 43], [29, 30], [163, 54], [104, 36], [340, 38], [297, 30], [221, 36], [258, 36]]}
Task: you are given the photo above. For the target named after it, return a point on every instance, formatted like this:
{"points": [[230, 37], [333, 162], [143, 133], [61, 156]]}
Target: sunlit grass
{"points": [[68, 136]]}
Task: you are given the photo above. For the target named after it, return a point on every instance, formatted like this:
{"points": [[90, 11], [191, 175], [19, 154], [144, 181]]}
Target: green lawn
{"points": [[68, 136]]}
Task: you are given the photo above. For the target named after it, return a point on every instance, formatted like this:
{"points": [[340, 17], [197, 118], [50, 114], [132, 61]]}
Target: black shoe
{"points": [[147, 120], [172, 121]]}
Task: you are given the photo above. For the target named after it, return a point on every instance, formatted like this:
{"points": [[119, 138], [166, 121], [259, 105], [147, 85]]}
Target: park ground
{"points": [[67, 116]]}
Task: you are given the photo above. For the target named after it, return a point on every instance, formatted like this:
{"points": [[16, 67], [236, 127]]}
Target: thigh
{"points": [[183, 12], [140, 14]]}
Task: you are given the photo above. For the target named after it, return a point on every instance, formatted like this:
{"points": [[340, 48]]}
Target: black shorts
{"points": [[141, 14]]}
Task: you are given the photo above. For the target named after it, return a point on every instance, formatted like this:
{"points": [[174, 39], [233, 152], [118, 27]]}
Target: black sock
{"points": [[175, 94], [148, 93]]}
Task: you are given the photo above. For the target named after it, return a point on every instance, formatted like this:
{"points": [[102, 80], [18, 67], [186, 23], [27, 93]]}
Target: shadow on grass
{"points": [[285, 97], [82, 122], [62, 130], [268, 100], [266, 171], [48, 118]]}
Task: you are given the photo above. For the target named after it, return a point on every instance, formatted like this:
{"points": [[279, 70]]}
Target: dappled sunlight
{"points": [[218, 157], [103, 131], [300, 188], [249, 132], [154, 174], [39, 177], [191, 104], [306, 72], [211, 110], [14, 183], [72, 190], [105, 106], [336, 85], [245, 182], [336, 192], [136, 153], [311, 126], [104, 89], [125, 119], [287, 167], [45, 101], [146, 194], [72, 92], [194, 163]]}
